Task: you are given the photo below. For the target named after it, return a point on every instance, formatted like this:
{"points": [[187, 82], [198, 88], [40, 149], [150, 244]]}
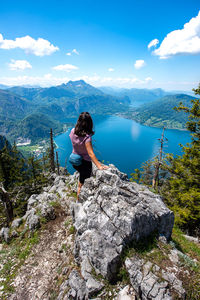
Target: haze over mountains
{"points": [[30, 112], [142, 95]]}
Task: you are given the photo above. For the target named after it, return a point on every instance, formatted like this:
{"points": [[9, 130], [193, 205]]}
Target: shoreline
{"points": [[180, 129], [38, 144]]}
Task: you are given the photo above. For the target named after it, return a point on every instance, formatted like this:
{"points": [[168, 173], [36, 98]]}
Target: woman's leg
{"points": [[78, 168], [85, 170], [79, 188]]}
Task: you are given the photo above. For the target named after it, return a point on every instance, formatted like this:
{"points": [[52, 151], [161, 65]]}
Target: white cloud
{"points": [[50, 80], [73, 51], [181, 41], [19, 65], [153, 43], [127, 82], [39, 47], [111, 69], [139, 64], [66, 68], [119, 81], [148, 79], [43, 81]]}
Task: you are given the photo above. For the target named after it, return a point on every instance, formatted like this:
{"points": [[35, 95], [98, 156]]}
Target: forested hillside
{"points": [[13, 107], [161, 112], [21, 108]]}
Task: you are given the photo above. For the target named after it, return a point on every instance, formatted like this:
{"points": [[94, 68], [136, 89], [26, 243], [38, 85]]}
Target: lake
{"points": [[124, 143]]}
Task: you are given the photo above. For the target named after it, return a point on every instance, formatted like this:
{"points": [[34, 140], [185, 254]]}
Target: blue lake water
{"points": [[124, 143]]}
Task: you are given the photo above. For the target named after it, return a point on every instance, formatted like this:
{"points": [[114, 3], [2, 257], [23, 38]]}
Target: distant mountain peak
{"points": [[80, 88], [76, 83]]}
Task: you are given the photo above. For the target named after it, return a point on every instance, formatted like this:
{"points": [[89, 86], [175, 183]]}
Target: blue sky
{"points": [[103, 42]]}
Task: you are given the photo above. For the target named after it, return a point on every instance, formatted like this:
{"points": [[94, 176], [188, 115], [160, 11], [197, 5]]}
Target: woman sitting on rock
{"points": [[83, 154]]}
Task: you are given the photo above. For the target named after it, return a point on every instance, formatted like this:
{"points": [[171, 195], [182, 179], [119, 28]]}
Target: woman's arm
{"points": [[90, 151]]}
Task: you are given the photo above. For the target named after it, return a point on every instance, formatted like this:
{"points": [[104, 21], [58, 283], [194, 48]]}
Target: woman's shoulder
{"points": [[88, 138], [71, 132]]}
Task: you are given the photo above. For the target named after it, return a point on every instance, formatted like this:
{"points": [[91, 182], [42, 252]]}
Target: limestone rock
{"points": [[126, 294], [77, 285], [63, 171], [146, 284], [4, 234], [16, 223], [14, 234], [33, 222], [93, 286], [192, 238], [32, 201], [175, 283], [151, 282], [114, 212], [48, 212]]}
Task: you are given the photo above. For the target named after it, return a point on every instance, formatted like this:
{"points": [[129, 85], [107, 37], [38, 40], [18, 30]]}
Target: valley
{"points": [[29, 113]]}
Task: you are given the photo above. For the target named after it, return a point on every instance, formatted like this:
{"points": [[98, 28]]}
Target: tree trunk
{"points": [[58, 169], [52, 163], [156, 177]]}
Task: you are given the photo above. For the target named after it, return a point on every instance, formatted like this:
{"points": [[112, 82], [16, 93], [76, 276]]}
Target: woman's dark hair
{"points": [[84, 125]]}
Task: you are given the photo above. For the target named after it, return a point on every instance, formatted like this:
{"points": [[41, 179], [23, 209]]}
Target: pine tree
{"points": [[6, 166], [158, 161], [182, 191], [44, 162], [136, 176], [33, 169]]}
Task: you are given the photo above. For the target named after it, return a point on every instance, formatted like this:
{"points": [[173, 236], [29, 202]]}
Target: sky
{"points": [[129, 43]]}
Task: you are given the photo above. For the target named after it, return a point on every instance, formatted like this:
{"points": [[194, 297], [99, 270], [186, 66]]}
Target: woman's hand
{"points": [[102, 167]]}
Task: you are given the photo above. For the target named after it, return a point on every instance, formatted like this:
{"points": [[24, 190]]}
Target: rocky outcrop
{"points": [[89, 250], [112, 214]]}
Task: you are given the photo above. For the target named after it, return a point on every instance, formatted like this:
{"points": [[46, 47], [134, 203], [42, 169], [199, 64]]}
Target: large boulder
{"points": [[113, 213]]}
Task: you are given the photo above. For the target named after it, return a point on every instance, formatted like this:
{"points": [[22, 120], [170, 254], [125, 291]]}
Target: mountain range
{"points": [[25, 108], [142, 95], [30, 112], [136, 95]]}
